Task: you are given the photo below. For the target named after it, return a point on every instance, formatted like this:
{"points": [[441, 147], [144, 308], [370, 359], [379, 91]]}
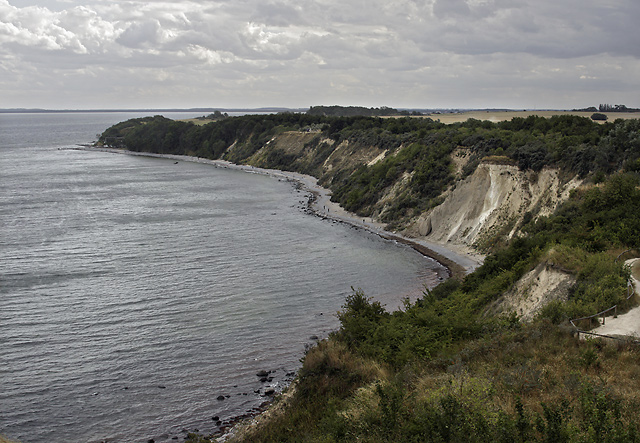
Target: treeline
{"points": [[609, 108], [616, 108], [358, 111], [162, 135]]}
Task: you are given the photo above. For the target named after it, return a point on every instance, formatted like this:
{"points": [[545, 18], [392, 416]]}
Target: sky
{"points": [[517, 54]]}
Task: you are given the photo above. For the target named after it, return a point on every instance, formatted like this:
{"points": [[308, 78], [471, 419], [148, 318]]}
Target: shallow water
{"points": [[135, 291]]}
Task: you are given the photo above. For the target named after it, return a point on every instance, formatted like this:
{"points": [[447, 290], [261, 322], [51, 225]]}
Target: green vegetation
{"points": [[516, 383], [356, 111], [599, 116], [441, 369]]}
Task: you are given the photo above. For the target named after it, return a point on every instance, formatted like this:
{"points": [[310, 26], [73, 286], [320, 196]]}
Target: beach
{"points": [[458, 262]]}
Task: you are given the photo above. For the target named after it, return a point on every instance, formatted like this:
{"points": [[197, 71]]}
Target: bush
{"points": [[596, 116]]}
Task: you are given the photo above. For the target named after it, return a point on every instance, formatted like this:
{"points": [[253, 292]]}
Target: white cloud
{"points": [[281, 52]]}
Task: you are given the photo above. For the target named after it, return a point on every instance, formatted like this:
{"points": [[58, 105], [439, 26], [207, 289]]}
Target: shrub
{"points": [[597, 116]]}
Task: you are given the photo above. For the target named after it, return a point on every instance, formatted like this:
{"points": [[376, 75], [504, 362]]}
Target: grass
{"points": [[519, 383]]}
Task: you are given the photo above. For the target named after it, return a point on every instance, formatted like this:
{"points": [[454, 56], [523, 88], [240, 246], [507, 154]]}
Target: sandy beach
{"points": [[459, 263]]}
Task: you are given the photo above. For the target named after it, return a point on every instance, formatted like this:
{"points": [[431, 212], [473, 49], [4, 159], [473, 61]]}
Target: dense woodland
{"points": [[441, 369]]}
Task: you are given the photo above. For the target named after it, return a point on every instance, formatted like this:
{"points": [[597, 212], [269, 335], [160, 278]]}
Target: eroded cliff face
{"points": [[493, 200], [533, 291]]}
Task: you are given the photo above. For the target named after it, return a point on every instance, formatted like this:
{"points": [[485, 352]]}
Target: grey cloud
{"points": [[278, 14], [140, 34], [450, 8], [403, 48]]}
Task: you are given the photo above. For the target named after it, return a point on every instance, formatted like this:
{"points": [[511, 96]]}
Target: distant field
{"points": [[494, 116], [197, 121], [497, 116]]}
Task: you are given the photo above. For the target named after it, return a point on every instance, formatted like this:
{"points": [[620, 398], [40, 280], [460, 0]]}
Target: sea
{"points": [[139, 297]]}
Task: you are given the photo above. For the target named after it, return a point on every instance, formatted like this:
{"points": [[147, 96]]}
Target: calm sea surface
{"points": [[135, 291]]}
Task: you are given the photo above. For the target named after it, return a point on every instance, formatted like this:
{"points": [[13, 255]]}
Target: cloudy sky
{"points": [[252, 53]]}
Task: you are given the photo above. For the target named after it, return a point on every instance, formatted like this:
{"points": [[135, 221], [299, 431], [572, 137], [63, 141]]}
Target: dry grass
{"points": [[538, 365], [330, 372], [534, 365]]}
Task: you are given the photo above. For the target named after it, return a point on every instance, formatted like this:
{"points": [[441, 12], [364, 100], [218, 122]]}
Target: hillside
{"points": [[550, 202]]}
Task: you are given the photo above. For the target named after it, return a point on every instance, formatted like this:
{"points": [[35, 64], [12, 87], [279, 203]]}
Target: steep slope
{"points": [[533, 292], [494, 200]]}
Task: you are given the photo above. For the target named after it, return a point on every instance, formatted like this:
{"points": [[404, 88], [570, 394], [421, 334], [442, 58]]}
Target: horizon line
{"points": [[261, 109]]}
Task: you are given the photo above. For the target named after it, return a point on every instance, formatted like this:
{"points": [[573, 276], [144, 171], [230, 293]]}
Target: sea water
{"points": [[139, 297]]}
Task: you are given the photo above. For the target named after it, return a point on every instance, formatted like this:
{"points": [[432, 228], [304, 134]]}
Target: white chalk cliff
{"points": [[494, 199]]}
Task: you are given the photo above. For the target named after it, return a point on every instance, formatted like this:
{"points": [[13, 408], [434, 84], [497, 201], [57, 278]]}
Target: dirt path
{"points": [[625, 324]]}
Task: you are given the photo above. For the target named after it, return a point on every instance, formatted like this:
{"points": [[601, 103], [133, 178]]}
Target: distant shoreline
{"points": [[198, 110], [457, 265]]}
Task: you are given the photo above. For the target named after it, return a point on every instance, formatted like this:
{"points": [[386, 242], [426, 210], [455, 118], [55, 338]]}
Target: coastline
{"points": [[319, 204], [458, 263]]}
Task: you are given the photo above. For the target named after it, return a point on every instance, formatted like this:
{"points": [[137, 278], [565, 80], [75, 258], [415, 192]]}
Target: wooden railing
{"points": [[631, 291]]}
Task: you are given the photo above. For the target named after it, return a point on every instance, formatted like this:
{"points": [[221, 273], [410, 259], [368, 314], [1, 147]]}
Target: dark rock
{"points": [[262, 373], [263, 380], [220, 397], [269, 391], [215, 418], [314, 337], [162, 387], [151, 440]]}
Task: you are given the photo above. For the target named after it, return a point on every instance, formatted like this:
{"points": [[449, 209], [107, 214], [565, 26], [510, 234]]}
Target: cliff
{"points": [[492, 203]]}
